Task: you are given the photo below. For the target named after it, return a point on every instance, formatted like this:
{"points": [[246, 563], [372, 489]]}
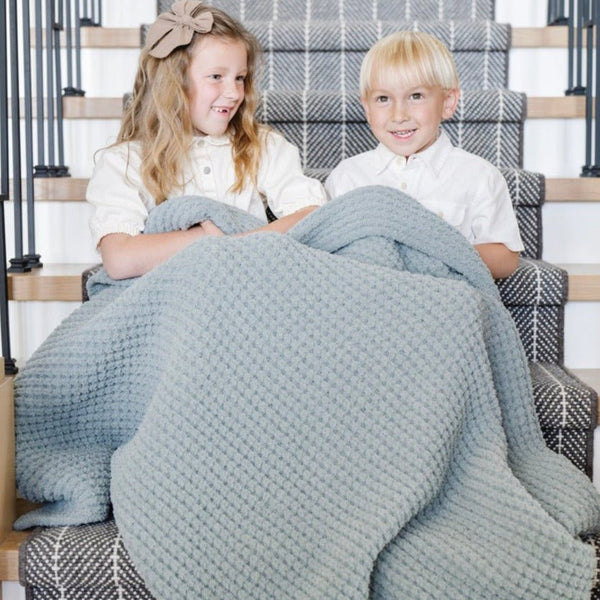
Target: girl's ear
{"points": [[450, 102]]}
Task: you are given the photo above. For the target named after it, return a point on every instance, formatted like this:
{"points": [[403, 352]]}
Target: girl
{"points": [[190, 130]]}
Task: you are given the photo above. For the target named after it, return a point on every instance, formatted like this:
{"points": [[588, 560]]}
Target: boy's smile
{"points": [[406, 119]]}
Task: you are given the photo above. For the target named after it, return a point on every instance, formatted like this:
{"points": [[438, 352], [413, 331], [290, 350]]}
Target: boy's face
{"points": [[406, 119]]}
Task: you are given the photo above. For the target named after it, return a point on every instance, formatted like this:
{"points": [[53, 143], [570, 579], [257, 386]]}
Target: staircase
{"points": [[42, 298]]}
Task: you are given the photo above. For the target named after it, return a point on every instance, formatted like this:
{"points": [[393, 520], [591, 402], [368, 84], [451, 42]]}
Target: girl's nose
{"points": [[233, 90]]}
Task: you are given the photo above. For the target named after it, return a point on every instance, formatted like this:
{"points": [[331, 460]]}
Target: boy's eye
{"points": [[381, 99], [241, 78], [416, 96], [215, 76]]}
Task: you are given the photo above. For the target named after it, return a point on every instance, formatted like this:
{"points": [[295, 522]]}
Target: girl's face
{"points": [[216, 75]]}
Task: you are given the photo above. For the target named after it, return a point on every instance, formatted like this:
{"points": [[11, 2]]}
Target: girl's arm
{"points": [[501, 261], [126, 255]]}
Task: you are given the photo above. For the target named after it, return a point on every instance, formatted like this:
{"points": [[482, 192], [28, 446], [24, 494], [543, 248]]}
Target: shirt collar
{"points": [[211, 140], [434, 156]]}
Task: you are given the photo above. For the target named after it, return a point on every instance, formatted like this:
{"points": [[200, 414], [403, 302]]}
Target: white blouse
{"points": [[121, 203]]}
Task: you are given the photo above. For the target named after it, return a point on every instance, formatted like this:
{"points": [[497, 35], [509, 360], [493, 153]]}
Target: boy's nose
{"points": [[399, 113]]}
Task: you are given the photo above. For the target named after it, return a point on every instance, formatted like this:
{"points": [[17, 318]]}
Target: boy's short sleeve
{"points": [[114, 191], [493, 216], [282, 180]]}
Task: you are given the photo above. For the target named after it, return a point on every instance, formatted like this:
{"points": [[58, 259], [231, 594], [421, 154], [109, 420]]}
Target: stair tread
{"points": [[62, 282], [129, 37], [560, 189], [58, 282], [538, 107], [584, 281], [9, 555]]}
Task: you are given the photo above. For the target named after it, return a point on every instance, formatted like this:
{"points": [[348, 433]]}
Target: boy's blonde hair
{"points": [[158, 116], [408, 58]]}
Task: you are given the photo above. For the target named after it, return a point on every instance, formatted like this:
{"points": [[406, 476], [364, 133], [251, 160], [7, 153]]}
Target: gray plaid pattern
{"points": [[327, 55], [330, 126], [88, 562], [567, 412], [285, 10]]}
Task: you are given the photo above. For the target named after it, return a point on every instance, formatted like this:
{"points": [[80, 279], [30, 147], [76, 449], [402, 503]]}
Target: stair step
{"points": [[72, 189], [62, 282], [561, 107], [573, 189], [584, 281], [9, 555], [129, 37], [52, 282], [538, 107]]}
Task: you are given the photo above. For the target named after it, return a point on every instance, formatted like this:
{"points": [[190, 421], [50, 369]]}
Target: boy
{"points": [[408, 86]]}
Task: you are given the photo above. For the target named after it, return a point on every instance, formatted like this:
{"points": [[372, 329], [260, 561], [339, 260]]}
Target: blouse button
{"points": [[403, 185], [206, 170]]}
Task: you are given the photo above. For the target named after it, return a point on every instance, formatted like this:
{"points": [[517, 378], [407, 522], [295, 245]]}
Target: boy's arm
{"points": [[501, 261]]}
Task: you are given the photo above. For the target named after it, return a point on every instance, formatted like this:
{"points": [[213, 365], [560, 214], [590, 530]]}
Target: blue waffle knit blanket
{"points": [[342, 412]]}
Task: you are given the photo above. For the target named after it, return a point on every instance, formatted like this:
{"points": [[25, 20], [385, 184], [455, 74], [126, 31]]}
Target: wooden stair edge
{"points": [[62, 282], [53, 282], [129, 37], [9, 555], [572, 189], [73, 189], [584, 281], [538, 107]]}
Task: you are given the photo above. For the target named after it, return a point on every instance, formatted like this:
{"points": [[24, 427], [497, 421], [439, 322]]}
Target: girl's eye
{"points": [[215, 76], [381, 99], [241, 78], [416, 96]]}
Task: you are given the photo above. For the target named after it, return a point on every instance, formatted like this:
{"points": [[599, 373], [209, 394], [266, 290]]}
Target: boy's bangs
{"points": [[403, 74]]}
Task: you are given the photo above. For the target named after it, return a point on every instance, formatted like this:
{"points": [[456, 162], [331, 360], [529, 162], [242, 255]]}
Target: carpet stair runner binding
{"points": [[310, 80]]}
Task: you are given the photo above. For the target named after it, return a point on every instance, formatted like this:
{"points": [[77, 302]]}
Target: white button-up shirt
{"points": [[121, 203], [464, 189]]}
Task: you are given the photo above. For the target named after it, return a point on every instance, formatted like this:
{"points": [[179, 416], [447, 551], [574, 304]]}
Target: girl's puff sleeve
{"points": [[115, 192], [282, 180]]}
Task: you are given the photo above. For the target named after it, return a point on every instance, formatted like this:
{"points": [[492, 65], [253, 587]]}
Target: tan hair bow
{"points": [[176, 28]]}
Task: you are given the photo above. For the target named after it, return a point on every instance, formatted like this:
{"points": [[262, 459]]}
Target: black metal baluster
{"points": [[556, 12], [18, 264], [71, 90], [41, 169], [33, 259], [9, 362], [61, 169]]}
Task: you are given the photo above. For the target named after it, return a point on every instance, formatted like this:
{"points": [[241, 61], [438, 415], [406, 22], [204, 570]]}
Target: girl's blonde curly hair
{"points": [[158, 115]]}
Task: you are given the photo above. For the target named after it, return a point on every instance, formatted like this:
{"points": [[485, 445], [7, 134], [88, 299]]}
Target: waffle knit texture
{"points": [[344, 411]]}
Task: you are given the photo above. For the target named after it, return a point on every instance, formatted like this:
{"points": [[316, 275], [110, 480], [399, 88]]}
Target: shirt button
{"points": [[403, 185], [206, 170]]}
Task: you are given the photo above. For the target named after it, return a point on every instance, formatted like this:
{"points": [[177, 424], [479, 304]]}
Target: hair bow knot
{"points": [[176, 28]]}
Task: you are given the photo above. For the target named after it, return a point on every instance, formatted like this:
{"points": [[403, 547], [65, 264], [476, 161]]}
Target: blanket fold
{"points": [[344, 411]]}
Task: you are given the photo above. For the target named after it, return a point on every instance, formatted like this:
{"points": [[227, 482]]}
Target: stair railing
{"points": [[33, 65], [9, 363], [583, 76]]}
